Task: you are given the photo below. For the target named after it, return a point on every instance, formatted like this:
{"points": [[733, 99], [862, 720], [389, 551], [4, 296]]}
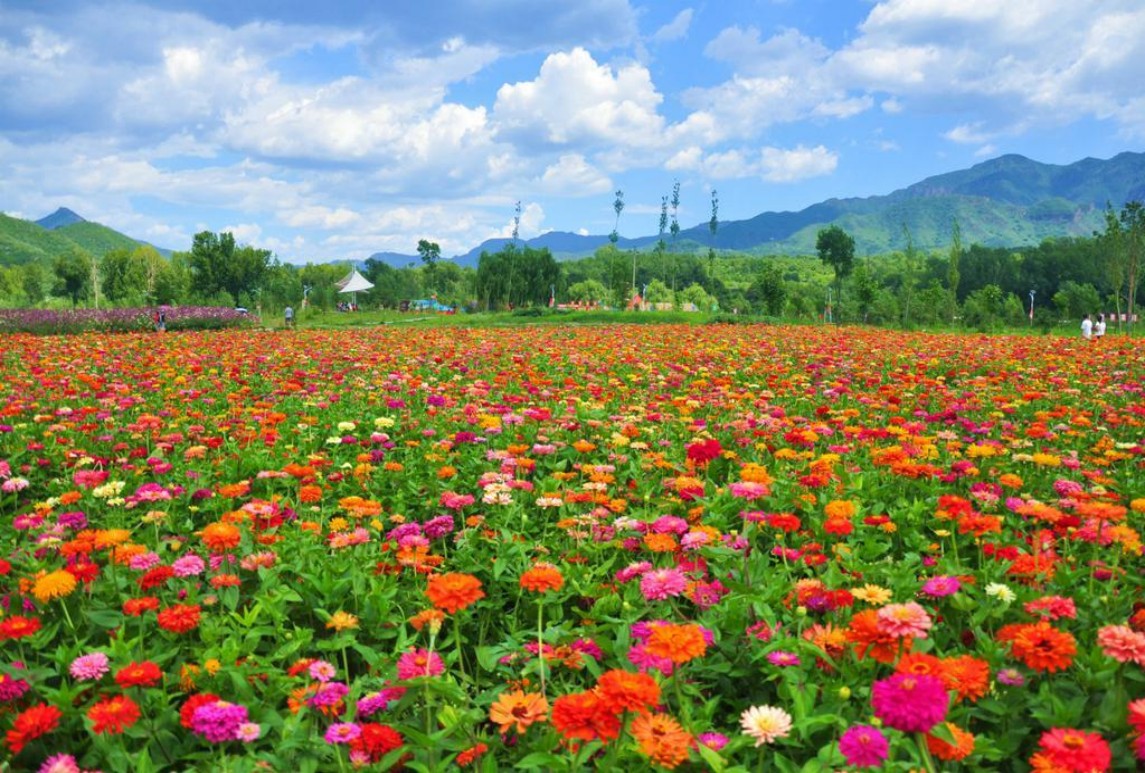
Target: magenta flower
{"points": [[864, 746], [219, 721], [943, 585], [342, 732], [913, 703]]}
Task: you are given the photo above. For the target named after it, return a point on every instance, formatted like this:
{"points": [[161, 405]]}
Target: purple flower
{"points": [[783, 658], [342, 732]]}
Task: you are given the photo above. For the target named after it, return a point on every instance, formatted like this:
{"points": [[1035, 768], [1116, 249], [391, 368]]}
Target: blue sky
{"points": [[329, 131]]}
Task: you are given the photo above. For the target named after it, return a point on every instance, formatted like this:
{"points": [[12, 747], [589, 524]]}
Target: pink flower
{"points": [[322, 671], [913, 703], [419, 662], [904, 621], [660, 584], [864, 746], [189, 565], [1052, 607], [1122, 643], [89, 667], [748, 490], [343, 732], [60, 763], [943, 585]]}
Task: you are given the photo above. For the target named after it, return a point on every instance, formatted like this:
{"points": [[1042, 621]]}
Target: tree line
{"points": [[972, 285]]}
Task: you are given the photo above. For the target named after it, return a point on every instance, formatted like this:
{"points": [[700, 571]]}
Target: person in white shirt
{"points": [[1099, 326], [1087, 328]]}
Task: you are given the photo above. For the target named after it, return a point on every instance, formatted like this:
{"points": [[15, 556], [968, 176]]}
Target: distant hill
{"points": [[1009, 201], [23, 241], [58, 219]]}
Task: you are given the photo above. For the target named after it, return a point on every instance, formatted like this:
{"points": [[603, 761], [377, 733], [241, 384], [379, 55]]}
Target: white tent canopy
{"points": [[354, 283]]}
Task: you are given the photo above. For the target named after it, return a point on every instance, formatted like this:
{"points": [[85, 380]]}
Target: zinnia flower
{"points": [[518, 710], [1075, 750], [54, 585], [962, 747], [145, 674], [454, 591], [32, 723], [913, 703], [661, 584], [864, 746], [542, 577], [904, 621], [89, 667], [627, 691], [1122, 643], [179, 618], [677, 643], [662, 738], [583, 716], [419, 662], [375, 741], [1039, 645], [342, 732], [765, 723], [113, 715]]}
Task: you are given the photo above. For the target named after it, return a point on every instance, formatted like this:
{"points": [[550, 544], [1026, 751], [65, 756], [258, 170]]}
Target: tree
{"points": [[73, 274], [674, 229], [836, 249], [866, 290], [587, 291], [713, 226], [661, 245], [953, 277], [218, 266], [429, 252], [909, 274], [1124, 241], [769, 291]]}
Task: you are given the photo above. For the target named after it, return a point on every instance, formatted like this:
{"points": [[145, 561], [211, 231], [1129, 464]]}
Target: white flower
{"points": [[347, 426], [765, 723], [997, 590]]}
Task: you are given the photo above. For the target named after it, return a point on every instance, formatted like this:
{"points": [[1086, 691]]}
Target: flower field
{"points": [[615, 547]]}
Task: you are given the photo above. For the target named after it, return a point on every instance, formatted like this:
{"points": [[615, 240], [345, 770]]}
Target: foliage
{"points": [[118, 320], [219, 265], [516, 277]]}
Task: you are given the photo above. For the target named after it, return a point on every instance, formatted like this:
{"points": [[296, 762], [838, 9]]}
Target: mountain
{"points": [[1009, 201], [58, 219], [23, 241]]}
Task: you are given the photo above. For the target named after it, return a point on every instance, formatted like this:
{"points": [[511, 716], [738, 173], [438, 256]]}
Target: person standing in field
{"points": [[1087, 328], [289, 315], [1099, 327]]}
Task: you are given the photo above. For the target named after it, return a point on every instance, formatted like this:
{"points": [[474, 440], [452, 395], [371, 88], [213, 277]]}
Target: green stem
{"points": [[68, 616], [541, 644], [457, 646], [924, 752], [346, 664]]}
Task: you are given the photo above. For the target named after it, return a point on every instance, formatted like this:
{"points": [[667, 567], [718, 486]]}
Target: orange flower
{"points": [[54, 585], [113, 715], [919, 663], [967, 676], [662, 738], [678, 643], [584, 716], [431, 617], [543, 577], [453, 591], [660, 543], [627, 691], [518, 710], [234, 490], [220, 537], [869, 641], [1039, 645], [962, 747], [309, 494]]}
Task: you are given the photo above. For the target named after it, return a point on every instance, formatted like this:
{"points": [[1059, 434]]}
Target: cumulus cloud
{"points": [[576, 102]]}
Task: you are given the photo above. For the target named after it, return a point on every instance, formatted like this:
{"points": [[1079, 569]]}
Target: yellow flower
{"points": [[55, 585], [342, 621], [872, 594]]}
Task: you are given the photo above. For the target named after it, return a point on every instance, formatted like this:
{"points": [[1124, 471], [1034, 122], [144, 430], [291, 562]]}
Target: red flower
{"points": [[153, 578], [32, 723], [1075, 750], [18, 627], [704, 451], [376, 740], [145, 674], [113, 715], [179, 618], [136, 607], [584, 715]]}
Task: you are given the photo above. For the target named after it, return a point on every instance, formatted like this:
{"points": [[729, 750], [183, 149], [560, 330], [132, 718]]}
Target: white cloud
{"points": [[773, 164], [572, 175], [575, 102], [675, 29], [968, 134]]}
